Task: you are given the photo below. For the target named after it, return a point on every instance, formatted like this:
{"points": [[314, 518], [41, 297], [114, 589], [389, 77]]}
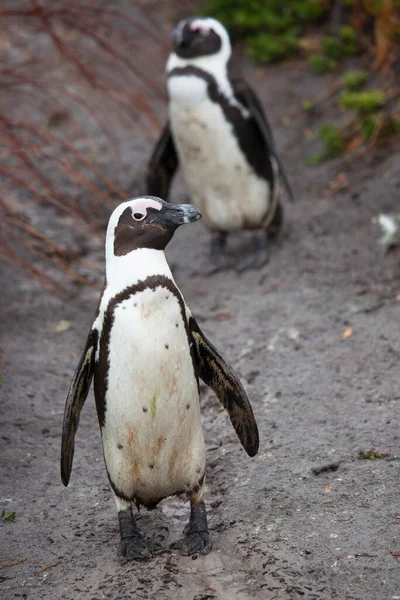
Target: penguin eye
{"points": [[138, 216], [201, 30]]}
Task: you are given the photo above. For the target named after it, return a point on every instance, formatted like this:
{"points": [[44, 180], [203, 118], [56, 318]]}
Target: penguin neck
{"points": [[128, 270], [214, 66]]}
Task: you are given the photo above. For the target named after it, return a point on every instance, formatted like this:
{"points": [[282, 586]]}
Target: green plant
{"points": [[345, 44], [264, 48], [380, 124], [332, 139], [368, 127], [307, 105], [244, 17], [372, 455], [321, 64], [10, 516], [333, 144], [353, 80], [362, 102], [314, 160], [271, 29]]}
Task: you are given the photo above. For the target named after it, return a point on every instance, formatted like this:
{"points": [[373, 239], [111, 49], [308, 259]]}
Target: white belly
{"points": [[221, 183], [152, 437]]}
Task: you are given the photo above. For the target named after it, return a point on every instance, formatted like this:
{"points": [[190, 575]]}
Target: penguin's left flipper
{"points": [[245, 95], [75, 400], [222, 379], [162, 165]]}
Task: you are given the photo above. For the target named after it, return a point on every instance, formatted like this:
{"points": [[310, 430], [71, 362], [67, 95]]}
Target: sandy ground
{"points": [[281, 530]]}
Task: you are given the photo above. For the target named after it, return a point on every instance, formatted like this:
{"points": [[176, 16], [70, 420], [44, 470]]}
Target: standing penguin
{"points": [[146, 353], [219, 134]]}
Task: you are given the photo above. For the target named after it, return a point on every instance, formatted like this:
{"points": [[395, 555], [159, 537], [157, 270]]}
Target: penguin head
{"points": [[146, 222], [199, 37]]}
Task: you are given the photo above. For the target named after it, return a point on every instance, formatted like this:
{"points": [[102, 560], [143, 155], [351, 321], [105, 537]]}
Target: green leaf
{"points": [[313, 160], [362, 102], [9, 517], [307, 105], [353, 80], [332, 140], [264, 48], [321, 64]]}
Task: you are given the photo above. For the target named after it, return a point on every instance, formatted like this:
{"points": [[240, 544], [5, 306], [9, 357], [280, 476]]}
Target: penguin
{"points": [[218, 133], [146, 353]]}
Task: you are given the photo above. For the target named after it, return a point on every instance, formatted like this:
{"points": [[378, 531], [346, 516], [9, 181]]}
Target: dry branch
{"points": [[93, 65]]}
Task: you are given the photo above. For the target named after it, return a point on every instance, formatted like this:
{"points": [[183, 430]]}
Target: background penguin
{"points": [[146, 353], [219, 134]]}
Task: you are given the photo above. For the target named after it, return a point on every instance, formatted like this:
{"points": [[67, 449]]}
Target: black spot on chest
{"points": [[101, 371]]}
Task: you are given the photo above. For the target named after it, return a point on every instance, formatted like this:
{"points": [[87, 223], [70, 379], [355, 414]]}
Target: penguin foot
{"points": [[256, 259], [216, 265], [134, 546], [195, 542], [219, 261], [197, 539], [275, 227]]}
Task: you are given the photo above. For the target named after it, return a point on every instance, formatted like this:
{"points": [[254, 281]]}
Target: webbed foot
{"points": [[275, 227], [197, 539], [134, 545], [256, 258], [219, 260], [195, 542]]}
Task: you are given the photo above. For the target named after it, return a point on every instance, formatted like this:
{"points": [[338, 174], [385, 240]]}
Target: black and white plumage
{"points": [[217, 131], [146, 354]]}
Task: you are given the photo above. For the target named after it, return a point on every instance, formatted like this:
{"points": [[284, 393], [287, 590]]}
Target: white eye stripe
{"points": [[140, 207], [199, 26]]}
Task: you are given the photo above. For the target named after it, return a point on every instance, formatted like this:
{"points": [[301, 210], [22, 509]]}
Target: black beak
{"points": [[176, 35], [172, 216], [182, 36]]}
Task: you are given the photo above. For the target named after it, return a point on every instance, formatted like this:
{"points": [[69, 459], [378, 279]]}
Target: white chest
{"points": [[152, 437], [221, 182]]}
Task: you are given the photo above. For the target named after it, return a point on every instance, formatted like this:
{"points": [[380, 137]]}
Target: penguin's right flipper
{"points": [[75, 400], [246, 96], [222, 379], [162, 165]]}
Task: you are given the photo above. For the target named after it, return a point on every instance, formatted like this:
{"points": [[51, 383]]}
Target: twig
{"points": [[16, 562], [46, 568]]}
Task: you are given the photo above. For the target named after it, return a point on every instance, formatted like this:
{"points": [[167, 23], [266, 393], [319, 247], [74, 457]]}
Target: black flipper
{"points": [[162, 165], [222, 379], [246, 96], [75, 400]]}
